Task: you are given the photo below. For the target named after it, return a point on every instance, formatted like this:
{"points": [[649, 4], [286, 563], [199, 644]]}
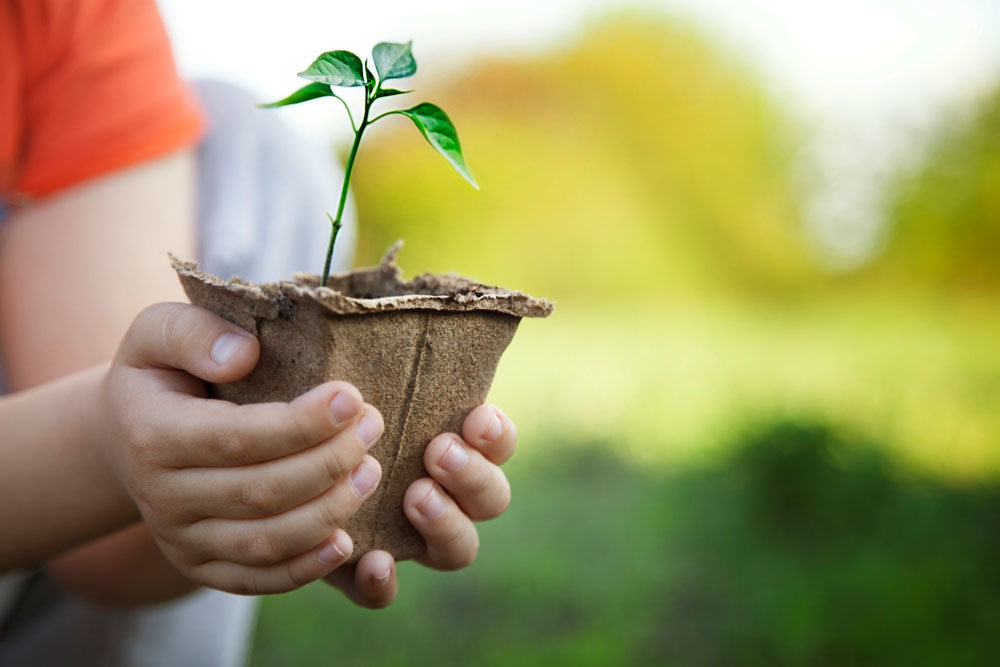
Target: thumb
{"points": [[177, 335]]}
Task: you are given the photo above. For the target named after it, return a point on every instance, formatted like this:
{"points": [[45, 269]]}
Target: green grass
{"points": [[801, 547]]}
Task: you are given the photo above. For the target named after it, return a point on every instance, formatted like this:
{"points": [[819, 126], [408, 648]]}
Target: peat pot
{"points": [[423, 352]]}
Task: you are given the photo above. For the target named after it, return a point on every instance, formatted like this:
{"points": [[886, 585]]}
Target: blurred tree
{"points": [[639, 162], [945, 220]]}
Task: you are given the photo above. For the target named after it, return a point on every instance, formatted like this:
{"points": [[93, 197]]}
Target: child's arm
{"points": [[124, 569], [74, 270], [248, 499], [54, 487], [95, 256]]}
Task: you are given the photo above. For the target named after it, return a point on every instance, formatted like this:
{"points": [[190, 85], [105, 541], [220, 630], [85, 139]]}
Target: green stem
{"points": [[381, 116], [336, 222], [350, 116]]}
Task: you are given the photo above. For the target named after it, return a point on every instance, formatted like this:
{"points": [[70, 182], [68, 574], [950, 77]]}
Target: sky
{"points": [[868, 77]]}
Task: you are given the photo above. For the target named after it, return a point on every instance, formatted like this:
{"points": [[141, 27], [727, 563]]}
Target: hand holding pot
{"points": [[466, 485], [425, 352], [248, 499]]}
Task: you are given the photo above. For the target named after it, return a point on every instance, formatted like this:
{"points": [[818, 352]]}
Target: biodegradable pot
{"points": [[423, 352]]}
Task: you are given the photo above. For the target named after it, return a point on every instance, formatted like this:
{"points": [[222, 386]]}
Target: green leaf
{"points": [[336, 68], [389, 92], [304, 94], [394, 61], [440, 133]]}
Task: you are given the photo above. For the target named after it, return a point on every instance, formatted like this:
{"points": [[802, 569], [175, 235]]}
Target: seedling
{"points": [[343, 69]]}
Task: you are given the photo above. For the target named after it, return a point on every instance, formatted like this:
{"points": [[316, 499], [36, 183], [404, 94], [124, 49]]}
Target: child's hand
{"points": [[466, 485], [247, 499]]}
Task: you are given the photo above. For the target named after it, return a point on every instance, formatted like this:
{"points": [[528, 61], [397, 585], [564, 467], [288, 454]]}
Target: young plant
{"points": [[343, 69]]}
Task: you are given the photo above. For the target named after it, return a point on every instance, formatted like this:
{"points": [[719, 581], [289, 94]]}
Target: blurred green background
{"points": [[730, 453]]}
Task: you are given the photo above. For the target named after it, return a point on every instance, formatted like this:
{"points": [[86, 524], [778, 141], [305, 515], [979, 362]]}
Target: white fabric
{"points": [[267, 193]]}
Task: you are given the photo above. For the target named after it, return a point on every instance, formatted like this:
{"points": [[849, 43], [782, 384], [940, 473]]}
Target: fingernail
{"points": [[226, 345], [337, 550], [384, 578], [343, 407], [364, 478], [455, 457], [369, 429], [432, 506], [494, 429]]}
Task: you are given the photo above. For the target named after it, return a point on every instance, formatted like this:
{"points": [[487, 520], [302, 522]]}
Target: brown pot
{"points": [[423, 352]]}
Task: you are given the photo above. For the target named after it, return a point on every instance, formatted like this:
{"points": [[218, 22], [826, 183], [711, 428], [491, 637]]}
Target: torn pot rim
{"points": [[456, 293]]}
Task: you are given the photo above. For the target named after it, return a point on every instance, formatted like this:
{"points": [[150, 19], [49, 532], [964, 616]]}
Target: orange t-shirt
{"points": [[86, 87]]}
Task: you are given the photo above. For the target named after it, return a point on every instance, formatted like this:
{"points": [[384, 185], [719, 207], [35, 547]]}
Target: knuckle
{"points": [[232, 445], [498, 501], [328, 513], [152, 315], [297, 432], [454, 543], [258, 547], [463, 548], [296, 579], [481, 484], [335, 462], [174, 330], [142, 443], [251, 585], [261, 495]]}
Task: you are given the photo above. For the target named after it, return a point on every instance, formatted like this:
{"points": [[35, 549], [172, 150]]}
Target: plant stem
{"points": [[383, 115], [336, 222]]}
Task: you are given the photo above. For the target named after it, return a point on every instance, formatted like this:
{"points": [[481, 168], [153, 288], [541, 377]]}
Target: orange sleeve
{"points": [[92, 88]]}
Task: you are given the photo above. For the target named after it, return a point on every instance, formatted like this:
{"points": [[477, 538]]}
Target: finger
{"points": [[479, 487], [274, 539], [492, 432], [371, 583], [222, 434], [176, 335], [267, 489], [279, 578], [452, 540]]}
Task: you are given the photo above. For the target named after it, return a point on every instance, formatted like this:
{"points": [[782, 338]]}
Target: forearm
{"points": [[74, 270], [55, 488], [122, 570], [51, 433]]}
